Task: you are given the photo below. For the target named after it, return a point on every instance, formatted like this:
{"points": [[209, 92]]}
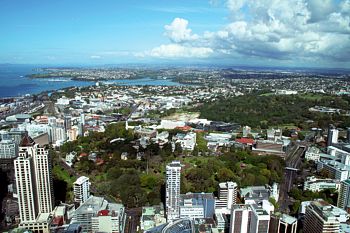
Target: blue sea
{"points": [[13, 81]]}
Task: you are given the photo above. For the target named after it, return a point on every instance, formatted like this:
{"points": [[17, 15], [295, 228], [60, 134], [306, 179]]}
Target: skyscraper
{"points": [[33, 180], [227, 195], [173, 176], [332, 136], [344, 195], [81, 189]]}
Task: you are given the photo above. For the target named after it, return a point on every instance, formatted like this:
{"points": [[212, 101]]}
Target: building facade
{"points": [[173, 180]]}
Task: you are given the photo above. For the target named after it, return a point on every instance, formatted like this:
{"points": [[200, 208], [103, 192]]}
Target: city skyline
{"points": [[301, 33]]}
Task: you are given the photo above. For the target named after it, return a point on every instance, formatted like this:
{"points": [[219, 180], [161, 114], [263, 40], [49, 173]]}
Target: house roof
{"points": [[245, 140]]}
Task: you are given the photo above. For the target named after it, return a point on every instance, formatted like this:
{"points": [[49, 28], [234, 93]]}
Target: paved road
{"points": [[293, 161], [132, 220]]}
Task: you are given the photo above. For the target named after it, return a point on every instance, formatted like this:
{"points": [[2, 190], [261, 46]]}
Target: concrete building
{"points": [[187, 141], [344, 195], [173, 176], [332, 136], [110, 220], [197, 205], [316, 185], [152, 217], [322, 217], [8, 149], [249, 219], [336, 169], [81, 189], [34, 183], [313, 154], [97, 215], [227, 195], [258, 194], [283, 223]]}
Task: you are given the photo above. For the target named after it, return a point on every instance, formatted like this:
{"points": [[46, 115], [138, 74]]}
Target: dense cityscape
{"points": [[183, 158], [186, 116]]}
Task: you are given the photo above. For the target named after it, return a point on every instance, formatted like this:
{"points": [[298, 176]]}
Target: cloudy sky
{"points": [[293, 33]]}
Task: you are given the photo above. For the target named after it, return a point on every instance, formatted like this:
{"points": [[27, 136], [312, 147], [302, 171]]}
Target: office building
{"points": [[8, 149], [316, 185], [173, 176], [344, 195], [34, 184], [322, 217], [227, 195], [249, 218], [81, 189], [283, 223], [336, 169], [97, 215], [332, 136], [197, 205]]}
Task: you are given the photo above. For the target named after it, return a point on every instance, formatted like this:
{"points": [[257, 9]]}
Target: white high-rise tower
{"points": [[173, 180], [81, 189], [33, 180]]}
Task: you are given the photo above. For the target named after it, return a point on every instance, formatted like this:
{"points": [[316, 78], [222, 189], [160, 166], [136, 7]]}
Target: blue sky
{"points": [[234, 32]]}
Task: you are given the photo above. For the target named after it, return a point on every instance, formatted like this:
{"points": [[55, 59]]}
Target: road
{"points": [[293, 163], [132, 220]]}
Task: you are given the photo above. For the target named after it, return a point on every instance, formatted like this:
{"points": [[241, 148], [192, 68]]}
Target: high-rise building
{"points": [[249, 218], [322, 217], [332, 136], [81, 189], [227, 195], [240, 218], [260, 220], [173, 180], [34, 181], [344, 195], [67, 122]]}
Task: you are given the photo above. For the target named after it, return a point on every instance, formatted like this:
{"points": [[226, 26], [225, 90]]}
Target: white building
{"points": [[97, 215], [316, 185], [227, 196], [63, 101], [344, 195], [313, 154], [81, 189], [8, 149], [34, 182], [187, 141], [173, 176], [336, 169], [109, 220], [168, 124]]}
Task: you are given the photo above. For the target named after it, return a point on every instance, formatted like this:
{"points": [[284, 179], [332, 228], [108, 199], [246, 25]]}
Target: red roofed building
{"points": [[103, 213], [246, 141], [184, 128]]}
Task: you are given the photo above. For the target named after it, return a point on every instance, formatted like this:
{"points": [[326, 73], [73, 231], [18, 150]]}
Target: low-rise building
{"points": [[316, 185], [152, 217]]}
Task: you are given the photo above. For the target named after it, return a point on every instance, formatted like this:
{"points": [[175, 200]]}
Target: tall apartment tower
{"points": [[322, 217], [173, 180], [227, 195], [344, 195], [34, 180], [81, 189], [332, 136]]}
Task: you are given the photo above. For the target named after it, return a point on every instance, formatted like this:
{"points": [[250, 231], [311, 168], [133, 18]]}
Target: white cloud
{"points": [[293, 30], [177, 51], [95, 57], [178, 32]]}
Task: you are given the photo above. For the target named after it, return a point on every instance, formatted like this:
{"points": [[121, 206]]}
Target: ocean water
{"points": [[13, 81]]}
